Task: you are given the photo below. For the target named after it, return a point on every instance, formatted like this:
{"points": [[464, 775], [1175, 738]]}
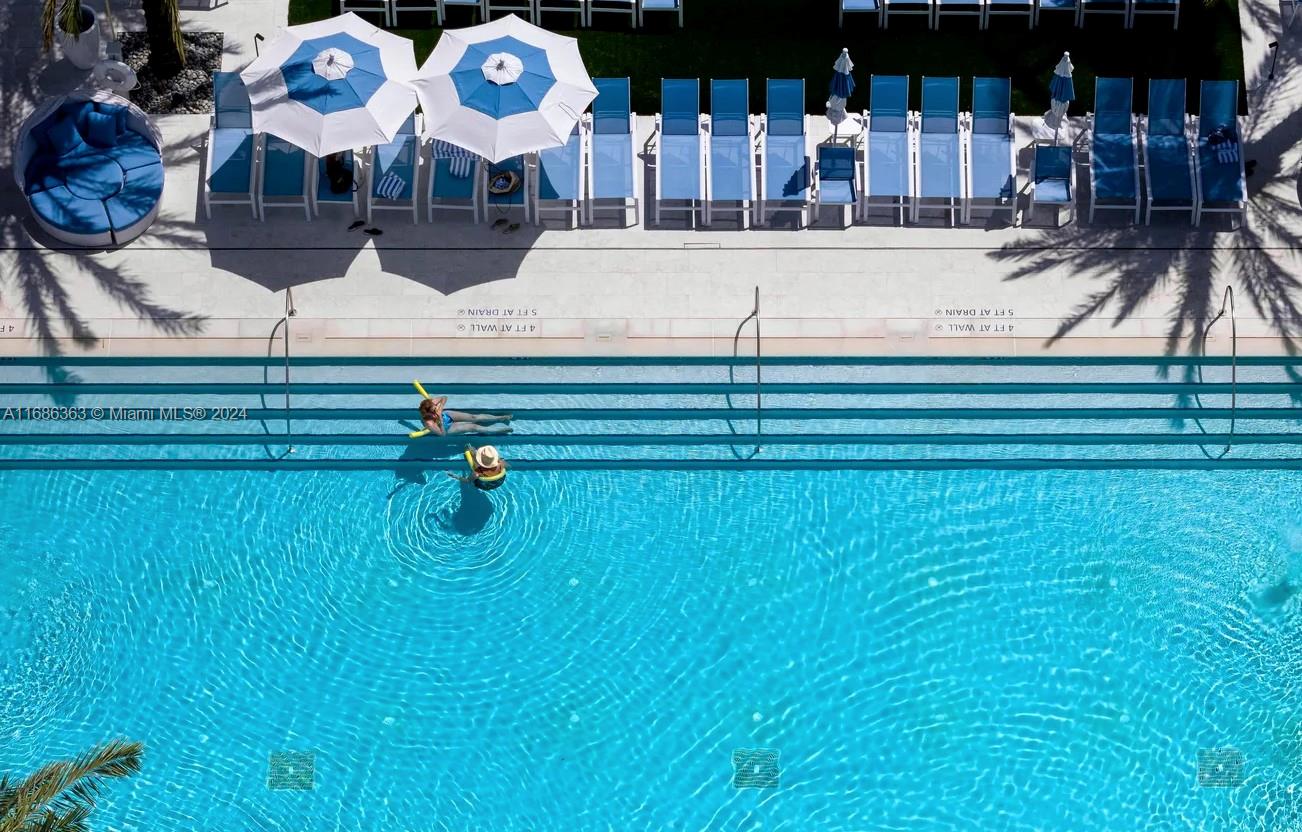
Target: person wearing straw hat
{"points": [[487, 468]]}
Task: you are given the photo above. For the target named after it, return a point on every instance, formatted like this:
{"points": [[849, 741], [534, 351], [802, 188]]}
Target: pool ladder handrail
{"points": [[1227, 303], [290, 312], [759, 381]]}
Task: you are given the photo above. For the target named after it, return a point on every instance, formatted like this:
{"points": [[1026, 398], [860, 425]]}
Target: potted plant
{"points": [[78, 31]]}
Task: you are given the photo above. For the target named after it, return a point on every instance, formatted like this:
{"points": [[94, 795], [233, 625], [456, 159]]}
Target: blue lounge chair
{"points": [[836, 178], [1055, 7], [577, 7], [561, 185], [992, 156], [618, 7], [668, 6], [680, 163], [1114, 148], [1170, 8], [229, 167], [958, 8], [283, 176], [873, 7], [784, 180], [321, 192], [1104, 7], [941, 146], [391, 172], [383, 8], [1221, 180], [1053, 180], [453, 174], [1011, 8], [613, 152], [1168, 155], [476, 7], [908, 7], [501, 204], [523, 8], [731, 167], [889, 146]]}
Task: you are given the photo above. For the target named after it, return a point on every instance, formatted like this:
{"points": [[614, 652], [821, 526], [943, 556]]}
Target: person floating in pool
{"points": [[487, 468], [441, 422]]}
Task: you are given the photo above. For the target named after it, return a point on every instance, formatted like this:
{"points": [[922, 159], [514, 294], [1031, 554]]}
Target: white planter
{"points": [[83, 50]]}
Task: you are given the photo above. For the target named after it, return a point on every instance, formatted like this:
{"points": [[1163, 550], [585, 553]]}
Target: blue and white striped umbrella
{"points": [[841, 87], [332, 85], [503, 88], [1061, 93]]}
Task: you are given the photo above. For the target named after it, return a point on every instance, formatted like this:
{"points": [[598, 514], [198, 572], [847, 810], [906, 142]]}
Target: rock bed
{"points": [[190, 91]]}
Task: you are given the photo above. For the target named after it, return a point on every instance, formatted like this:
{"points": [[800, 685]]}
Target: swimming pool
{"points": [[954, 649]]}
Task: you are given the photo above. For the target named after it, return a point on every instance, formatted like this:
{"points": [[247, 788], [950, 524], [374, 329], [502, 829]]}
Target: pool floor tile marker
{"points": [[755, 768], [1220, 768], [291, 771]]}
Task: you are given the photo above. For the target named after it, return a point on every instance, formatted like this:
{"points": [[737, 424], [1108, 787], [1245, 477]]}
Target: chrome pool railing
{"points": [[759, 379], [1227, 304]]}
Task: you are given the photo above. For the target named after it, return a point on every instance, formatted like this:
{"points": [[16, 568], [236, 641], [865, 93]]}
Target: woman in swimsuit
{"points": [[442, 422]]}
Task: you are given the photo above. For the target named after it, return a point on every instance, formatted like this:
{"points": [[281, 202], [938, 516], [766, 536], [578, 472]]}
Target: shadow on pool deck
{"points": [[1259, 259]]}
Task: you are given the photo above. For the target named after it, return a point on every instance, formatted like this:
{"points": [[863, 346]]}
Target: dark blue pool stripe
{"points": [[653, 388], [293, 464], [743, 414], [650, 361], [654, 439]]}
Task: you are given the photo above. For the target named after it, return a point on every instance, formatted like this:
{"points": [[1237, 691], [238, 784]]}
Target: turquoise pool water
{"points": [[584, 651]]}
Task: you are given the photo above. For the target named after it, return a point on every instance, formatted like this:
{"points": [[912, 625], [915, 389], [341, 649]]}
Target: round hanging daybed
{"points": [[90, 165]]}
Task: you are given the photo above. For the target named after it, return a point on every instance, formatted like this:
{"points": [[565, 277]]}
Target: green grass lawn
{"points": [[773, 39]]}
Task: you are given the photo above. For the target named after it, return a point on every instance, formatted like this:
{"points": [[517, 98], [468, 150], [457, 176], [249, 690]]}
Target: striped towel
{"points": [[391, 186], [462, 160], [1227, 153]]}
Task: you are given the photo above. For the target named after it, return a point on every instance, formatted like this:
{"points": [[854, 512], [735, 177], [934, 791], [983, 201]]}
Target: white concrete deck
{"points": [[216, 287]]}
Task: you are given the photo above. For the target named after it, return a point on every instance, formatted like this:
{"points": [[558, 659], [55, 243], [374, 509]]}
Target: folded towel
{"points": [[460, 167], [390, 187], [1227, 153]]}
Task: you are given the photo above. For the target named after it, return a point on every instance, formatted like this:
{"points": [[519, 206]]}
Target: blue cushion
{"points": [[62, 209], [447, 186], [659, 5], [836, 192], [101, 130], [139, 195], [1112, 159], [786, 167], [63, 137], [91, 176], [612, 166], [232, 160], [1052, 190], [859, 5], [730, 168], [558, 170], [134, 150], [118, 112]]}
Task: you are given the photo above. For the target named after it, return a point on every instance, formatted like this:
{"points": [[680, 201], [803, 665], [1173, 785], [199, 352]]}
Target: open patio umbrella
{"points": [[332, 85], [1061, 93], [839, 92], [503, 88]]}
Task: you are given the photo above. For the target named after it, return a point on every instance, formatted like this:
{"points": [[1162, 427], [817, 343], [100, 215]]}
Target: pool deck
{"points": [[216, 287]]}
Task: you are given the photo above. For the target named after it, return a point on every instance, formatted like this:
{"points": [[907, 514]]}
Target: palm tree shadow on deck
{"points": [[35, 276], [1125, 270]]}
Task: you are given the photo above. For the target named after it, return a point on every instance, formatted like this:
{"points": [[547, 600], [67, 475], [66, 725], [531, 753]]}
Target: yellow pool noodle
{"points": [[417, 434], [421, 390]]}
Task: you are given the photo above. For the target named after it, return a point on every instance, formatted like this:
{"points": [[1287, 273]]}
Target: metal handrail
{"points": [[290, 312], [759, 381], [1227, 303]]}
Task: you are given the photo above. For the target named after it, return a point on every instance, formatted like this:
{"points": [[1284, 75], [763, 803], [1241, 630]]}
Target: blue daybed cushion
{"points": [[118, 112], [63, 137], [101, 129], [140, 193], [61, 208]]}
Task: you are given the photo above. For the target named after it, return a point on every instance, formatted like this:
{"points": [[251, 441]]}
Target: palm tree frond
{"points": [[64, 792]]}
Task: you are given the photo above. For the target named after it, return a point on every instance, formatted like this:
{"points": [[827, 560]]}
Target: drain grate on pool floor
{"points": [[291, 771], [755, 768], [1220, 768]]}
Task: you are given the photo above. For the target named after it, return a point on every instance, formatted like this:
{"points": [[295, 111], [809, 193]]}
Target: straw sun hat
{"points": [[487, 457]]}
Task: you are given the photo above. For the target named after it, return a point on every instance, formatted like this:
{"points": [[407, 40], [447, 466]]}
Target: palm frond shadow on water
{"points": [[1126, 267]]}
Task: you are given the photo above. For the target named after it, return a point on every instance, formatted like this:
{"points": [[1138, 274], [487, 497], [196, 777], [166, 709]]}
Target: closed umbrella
{"points": [[1061, 93], [839, 92], [332, 85], [503, 88]]}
